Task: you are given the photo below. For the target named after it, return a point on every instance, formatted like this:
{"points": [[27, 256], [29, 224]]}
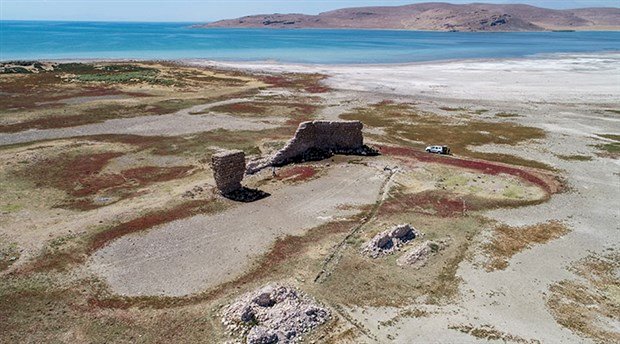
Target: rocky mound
{"points": [[273, 314], [389, 241], [418, 256]]}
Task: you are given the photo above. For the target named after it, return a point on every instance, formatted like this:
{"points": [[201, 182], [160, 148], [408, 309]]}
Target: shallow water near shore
{"points": [[100, 40]]}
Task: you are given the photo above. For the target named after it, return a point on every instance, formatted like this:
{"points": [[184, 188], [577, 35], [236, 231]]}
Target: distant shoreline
{"points": [[282, 64]]}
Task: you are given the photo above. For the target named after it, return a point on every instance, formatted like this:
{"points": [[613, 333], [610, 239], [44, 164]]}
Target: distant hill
{"points": [[437, 16]]}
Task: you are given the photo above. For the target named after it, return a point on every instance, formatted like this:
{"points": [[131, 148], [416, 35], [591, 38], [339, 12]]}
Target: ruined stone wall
{"points": [[228, 170], [329, 136]]}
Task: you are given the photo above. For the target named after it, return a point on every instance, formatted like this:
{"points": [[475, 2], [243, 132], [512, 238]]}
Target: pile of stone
{"points": [[228, 170], [273, 314], [389, 241], [417, 256]]}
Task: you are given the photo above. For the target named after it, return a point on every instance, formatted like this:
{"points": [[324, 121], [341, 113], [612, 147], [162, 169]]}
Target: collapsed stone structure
{"points": [[228, 170], [273, 314], [321, 136], [316, 140], [389, 241], [419, 255]]}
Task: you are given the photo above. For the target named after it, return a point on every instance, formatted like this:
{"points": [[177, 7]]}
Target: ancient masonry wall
{"points": [[228, 170], [329, 136]]}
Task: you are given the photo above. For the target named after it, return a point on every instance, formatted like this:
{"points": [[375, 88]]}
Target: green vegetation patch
{"points": [[610, 149], [575, 157], [506, 115], [406, 126], [9, 254]]}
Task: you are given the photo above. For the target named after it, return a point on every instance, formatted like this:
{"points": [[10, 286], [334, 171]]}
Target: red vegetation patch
{"points": [[310, 83], [546, 182], [81, 177], [428, 202], [445, 204], [296, 173]]}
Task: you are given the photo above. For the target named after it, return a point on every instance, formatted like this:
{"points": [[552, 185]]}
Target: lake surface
{"points": [[98, 40]]}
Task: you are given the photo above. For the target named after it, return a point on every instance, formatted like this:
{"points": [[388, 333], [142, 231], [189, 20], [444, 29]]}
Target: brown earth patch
{"points": [[590, 306], [507, 241]]}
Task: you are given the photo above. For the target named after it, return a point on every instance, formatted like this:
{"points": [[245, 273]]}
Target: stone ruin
{"points": [[273, 314], [419, 255], [317, 140], [228, 170], [389, 241]]}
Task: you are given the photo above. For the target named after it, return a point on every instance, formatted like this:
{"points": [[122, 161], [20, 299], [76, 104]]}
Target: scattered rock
{"points": [[389, 241], [418, 256], [261, 335], [273, 314]]}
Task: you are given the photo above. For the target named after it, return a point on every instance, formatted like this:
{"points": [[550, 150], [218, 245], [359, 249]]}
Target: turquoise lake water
{"points": [[77, 40]]}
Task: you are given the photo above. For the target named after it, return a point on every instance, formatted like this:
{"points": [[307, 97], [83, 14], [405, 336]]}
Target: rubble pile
{"points": [[389, 241], [418, 255], [273, 314]]}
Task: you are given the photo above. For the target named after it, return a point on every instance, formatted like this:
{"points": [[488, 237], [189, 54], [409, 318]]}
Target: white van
{"points": [[438, 149]]}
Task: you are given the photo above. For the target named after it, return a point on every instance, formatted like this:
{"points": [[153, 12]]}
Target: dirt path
{"points": [[191, 255]]}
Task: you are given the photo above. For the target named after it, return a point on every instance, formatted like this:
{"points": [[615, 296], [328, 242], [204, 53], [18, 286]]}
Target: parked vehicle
{"points": [[438, 149]]}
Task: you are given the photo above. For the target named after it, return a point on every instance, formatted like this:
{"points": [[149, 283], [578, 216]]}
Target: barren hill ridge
{"points": [[437, 16]]}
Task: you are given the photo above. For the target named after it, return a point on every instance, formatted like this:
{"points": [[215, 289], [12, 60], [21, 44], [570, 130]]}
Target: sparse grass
{"points": [[452, 109], [361, 281], [507, 115], [37, 100], [9, 254], [507, 241], [404, 124], [617, 112], [489, 332], [575, 157], [80, 176], [480, 111], [590, 307], [610, 149], [310, 83]]}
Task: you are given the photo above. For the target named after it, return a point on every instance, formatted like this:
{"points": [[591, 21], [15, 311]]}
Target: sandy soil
{"points": [[190, 255]]}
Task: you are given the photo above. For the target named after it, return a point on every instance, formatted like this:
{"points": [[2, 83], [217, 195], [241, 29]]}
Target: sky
{"points": [[210, 10]]}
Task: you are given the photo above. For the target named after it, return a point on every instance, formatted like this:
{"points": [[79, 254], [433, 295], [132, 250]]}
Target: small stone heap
{"points": [[273, 314], [389, 241], [417, 256], [228, 170]]}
